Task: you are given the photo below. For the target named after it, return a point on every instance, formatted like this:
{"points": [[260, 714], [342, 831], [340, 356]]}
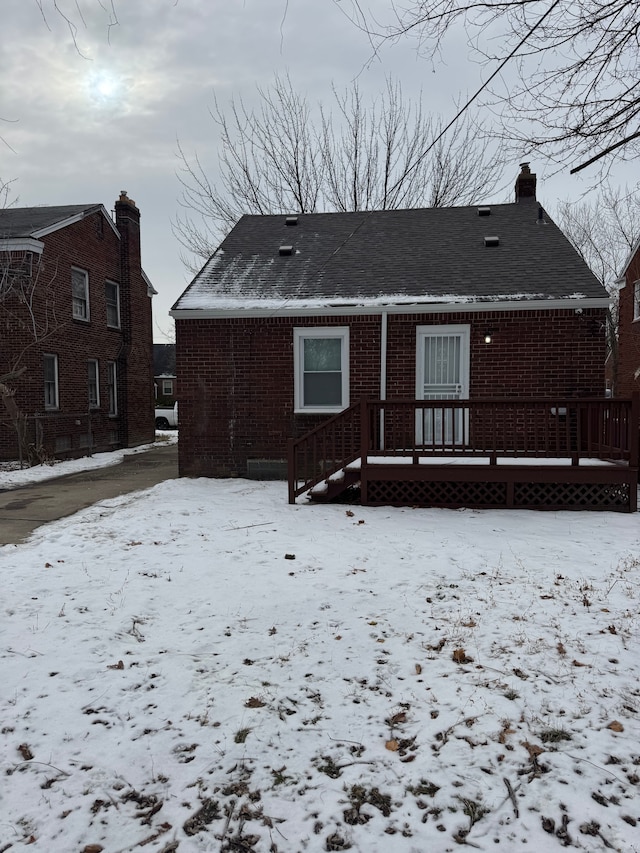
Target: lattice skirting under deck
{"points": [[611, 496]]}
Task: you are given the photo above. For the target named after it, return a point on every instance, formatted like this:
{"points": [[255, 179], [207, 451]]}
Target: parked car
{"points": [[167, 418]]}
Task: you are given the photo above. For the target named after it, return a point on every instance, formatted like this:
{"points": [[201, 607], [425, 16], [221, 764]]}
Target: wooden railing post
{"points": [[364, 448], [291, 470]]}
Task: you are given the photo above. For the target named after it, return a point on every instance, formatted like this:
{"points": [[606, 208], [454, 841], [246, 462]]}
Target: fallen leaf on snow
{"points": [[418, 669], [391, 745], [616, 726]]}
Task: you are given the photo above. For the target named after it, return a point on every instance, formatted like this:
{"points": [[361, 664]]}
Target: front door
{"points": [[442, 373]]}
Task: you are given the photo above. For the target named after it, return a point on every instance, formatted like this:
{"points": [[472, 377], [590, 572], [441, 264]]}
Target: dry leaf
{"points": [[118, 665], [459, 656], [616, 726], [408, 758], [93, 848], [577, 663], [561, 649], [254, 702], [25, 752], [361, 521], [338, 637], [289, 556], [418, 669], [400, 717], [48, 566], [533, 749], [391, 745], [349, 513]]}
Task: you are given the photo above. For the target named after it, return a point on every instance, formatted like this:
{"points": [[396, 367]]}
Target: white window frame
{"points": [[51, 400], [299, 337], [636, 300], [93, 381], [167, 387], [110, 304], [80, 303], [112, 385]]}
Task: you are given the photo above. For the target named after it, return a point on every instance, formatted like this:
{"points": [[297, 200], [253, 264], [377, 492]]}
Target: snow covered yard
{"points": [[201, 667]]}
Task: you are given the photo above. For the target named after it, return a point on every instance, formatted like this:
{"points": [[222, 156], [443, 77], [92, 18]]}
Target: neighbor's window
{"points": [[636, 300], [112, 299], [112, 385], [167, 387], [80, 294], [321, 367], [50, 366], [93, 383]]}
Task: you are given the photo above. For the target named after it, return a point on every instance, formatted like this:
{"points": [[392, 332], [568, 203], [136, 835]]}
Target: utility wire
{"points": [[480, 90]]}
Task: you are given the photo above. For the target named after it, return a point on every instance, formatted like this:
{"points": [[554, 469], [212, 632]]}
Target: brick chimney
{"points": [[525, 184], [136, 354]]}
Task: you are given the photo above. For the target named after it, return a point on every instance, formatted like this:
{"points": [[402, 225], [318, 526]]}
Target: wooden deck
{"points": [[493, 453]]}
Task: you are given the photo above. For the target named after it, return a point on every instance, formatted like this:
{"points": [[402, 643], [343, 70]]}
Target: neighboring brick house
{"points": [[164, 374], [75, 330], [628, 360], [295, 317]]}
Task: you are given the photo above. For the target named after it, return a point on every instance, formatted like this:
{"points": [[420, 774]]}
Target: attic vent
{"points": [[291, 220], [492, 241], [484, 211], [285, 250]]}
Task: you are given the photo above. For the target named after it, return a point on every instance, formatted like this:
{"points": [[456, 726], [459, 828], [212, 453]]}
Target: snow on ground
{"points": [[12, 476], [202, 667]]}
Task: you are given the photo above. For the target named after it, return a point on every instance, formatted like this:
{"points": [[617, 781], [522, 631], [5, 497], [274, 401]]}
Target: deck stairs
{"points": [[335, 484]]}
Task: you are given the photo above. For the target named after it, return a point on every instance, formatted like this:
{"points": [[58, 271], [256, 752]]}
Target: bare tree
{"points": [[604, 230], [27, 314], [577, 64], [286, 157]]}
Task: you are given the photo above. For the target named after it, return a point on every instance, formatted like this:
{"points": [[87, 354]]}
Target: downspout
{"points": [[384, 325]]}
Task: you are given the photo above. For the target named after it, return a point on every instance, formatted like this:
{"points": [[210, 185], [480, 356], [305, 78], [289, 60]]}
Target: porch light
{"points": [[488, 336]]}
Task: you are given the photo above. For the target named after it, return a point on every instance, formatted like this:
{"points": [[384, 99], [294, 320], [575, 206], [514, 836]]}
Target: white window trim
{"points": [[167, 383], [112, 382], [96, 364], [117, 287], [50, 407], [85, 276], [636, 300], [299, 336]]}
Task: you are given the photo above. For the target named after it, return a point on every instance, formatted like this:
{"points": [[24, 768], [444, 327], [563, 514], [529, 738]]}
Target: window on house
{"points": [[112, 385], [167, 388], [93, 383], [50, 365], [636, 300], [80, 294], [112, 299], [321, 369]]}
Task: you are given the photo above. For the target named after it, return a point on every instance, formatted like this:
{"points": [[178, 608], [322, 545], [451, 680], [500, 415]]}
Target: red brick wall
{"points": [[629, 335], [236, 376], [95, 248]]}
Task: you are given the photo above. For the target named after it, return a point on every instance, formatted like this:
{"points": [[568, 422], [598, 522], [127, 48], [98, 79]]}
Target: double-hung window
{"points": [[80, 294], [167, 387], [112, 300], [112, 385], [93, 383], [321, 369], [50, 367]]}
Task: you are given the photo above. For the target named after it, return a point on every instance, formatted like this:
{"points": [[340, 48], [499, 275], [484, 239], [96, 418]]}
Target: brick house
{"points": [[628, 362], [296, 318], [164, 374], [76, 330]]}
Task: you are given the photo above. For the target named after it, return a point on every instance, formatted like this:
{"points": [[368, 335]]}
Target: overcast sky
{"points": [[82, 122]]}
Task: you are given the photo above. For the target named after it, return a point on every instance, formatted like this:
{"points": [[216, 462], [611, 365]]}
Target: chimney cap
{"points": [[124, 199]]}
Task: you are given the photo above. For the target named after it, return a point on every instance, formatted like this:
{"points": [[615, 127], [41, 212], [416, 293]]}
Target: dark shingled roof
{"points": [[433, 254], [28, 221]]}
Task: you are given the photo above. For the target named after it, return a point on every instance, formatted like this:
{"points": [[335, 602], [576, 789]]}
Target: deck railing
{"points": [[574, 428]]}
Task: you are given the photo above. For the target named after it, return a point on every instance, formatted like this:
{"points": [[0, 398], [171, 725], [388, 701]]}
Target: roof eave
{"points": [[335, 310]]}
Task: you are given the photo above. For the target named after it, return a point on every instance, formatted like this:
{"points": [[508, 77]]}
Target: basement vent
{"points": [[484, 211], [492, 241], [285, 250], [291, 220]]}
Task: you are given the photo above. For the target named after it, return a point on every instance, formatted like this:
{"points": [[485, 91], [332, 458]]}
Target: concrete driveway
{"points": [[25, 508]]}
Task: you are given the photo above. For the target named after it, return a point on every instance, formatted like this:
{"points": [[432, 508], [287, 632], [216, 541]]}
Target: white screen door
{"points": [[442, 373]]}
